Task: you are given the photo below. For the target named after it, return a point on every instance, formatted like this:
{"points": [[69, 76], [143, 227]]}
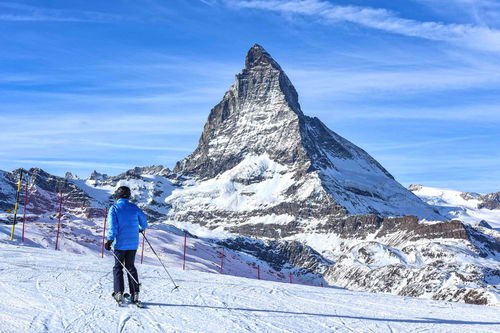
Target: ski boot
{"points": [[135, 299], [118, 296]]}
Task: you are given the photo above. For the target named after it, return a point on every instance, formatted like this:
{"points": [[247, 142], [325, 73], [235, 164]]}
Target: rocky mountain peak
{"points": [[262, 73], [490, 201], [257, 56], [415, 187], [69, 175], [259, 114], [97, 176]]}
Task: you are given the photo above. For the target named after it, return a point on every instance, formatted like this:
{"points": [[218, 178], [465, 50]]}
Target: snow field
{"points": [[49, 291], [85, 237], [457, 205]]}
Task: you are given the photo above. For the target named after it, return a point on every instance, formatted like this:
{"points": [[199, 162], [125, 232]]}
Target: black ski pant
{"points": [[127, 258]]}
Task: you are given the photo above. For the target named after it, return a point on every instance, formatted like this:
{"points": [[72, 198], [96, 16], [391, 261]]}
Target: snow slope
{"points": [[203, 253], [48, 291], [234, 189], [458, 205]]}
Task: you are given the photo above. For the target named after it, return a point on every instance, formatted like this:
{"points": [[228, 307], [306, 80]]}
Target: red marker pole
{"points": [[258, 272], [59, 218], [104, 231], [291, 277], [142, 251], [184, 260], [26, 195]]}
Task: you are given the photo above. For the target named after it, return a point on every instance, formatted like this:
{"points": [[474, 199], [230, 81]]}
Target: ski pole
{"points": [[161, 262], [125, 268]]}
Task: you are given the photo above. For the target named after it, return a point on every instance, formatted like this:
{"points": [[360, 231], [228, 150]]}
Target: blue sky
{"points": [[105, 85]]}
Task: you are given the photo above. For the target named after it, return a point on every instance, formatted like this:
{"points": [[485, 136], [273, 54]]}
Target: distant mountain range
{"points": [[472, 208]]}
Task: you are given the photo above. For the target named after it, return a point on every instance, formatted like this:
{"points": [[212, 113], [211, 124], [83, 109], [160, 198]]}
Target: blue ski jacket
{"points": [[125, 220]]}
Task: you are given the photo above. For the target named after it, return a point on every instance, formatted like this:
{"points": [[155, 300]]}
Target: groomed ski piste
{"points": [[44, 290]]}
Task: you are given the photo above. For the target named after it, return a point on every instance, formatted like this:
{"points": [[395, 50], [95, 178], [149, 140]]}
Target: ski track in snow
{"points": [[49, 291]]}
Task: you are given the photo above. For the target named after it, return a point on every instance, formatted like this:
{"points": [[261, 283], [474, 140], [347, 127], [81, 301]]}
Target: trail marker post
{"points": [[222, 260], [104, 231], [26, 196], [59, 219], [184, 258], [16, 205]]}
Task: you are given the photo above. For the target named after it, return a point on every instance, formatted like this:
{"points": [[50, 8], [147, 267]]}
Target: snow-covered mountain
{"points": [[271, 184], [472, 208], [258, 137]]}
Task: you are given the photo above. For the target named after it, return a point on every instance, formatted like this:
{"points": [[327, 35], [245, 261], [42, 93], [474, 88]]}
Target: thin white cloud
{"points": [[447, 163], [140, 147], [210, 3], [467, 113], [482, 12], [23, 78], [422, 143], [38, 17], [16, 12], [68, 164], [91, 123], [477, 37], [321, 83]]}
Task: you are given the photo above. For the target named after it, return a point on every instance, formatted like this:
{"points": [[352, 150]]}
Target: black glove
{"points": [[141, 231], [107, 246]]}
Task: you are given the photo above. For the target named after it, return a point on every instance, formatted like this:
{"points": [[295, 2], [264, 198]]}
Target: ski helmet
{"points": [[122, 192]]}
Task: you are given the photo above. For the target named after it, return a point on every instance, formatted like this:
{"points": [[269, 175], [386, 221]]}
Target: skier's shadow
{"points": [[417, 321]]}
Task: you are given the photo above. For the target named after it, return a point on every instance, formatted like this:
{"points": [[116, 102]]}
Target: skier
{"points": [[126, 221]]}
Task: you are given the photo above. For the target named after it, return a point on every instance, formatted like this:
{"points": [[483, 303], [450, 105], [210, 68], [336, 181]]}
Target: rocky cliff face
{"points": [[87, 198], [437, 270], [490, 201], [44, 189], [150, 187]]}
